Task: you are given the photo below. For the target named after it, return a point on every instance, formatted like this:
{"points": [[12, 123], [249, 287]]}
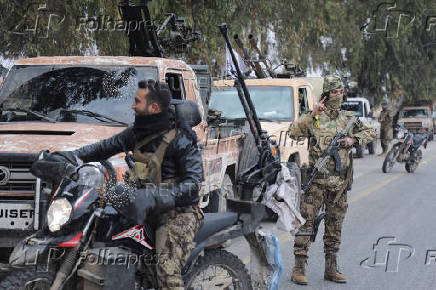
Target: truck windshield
{"points": [[60, 92], [353, 106], [416, 113], [271, 103]]}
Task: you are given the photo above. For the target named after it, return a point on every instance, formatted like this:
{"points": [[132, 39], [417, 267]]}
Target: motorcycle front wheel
{"points": [[218, 269], [29, 278], [389, 161]]}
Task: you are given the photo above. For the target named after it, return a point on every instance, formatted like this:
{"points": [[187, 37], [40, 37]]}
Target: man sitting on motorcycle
{"points": [[165, 153]]}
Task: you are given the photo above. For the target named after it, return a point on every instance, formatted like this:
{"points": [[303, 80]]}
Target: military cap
{"points": [[332, 82]]}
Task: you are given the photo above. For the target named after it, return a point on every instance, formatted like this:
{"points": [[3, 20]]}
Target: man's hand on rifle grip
{"points": [[347, 141]]}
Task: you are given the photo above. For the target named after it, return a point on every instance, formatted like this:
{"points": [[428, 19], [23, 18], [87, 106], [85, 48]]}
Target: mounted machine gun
{"points": [[147, 38]]}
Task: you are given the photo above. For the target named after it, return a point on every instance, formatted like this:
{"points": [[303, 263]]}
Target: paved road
{"points": [[397, 205]]}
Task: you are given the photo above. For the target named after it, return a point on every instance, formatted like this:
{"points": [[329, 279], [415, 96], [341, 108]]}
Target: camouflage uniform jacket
{"points": [[386, 118], [322, 132]]}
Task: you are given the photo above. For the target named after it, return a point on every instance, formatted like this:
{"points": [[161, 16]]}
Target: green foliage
{"points": [[331, 36]]}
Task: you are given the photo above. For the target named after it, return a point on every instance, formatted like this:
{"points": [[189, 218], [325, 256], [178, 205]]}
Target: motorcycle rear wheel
{"points": [[209, 272]]}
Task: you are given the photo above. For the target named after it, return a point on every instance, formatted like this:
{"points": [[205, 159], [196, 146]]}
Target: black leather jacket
{"points": [[182, 160]]}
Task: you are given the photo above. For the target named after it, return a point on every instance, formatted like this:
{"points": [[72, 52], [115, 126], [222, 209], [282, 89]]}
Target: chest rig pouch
{"points": [[148, 165]]}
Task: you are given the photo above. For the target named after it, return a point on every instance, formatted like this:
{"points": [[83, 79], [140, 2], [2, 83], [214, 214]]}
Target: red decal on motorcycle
{"points": [[81, 199], [55, 192], [136, 233], [71, 243]]}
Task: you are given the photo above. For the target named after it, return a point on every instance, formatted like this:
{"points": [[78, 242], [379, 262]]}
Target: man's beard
{"points": [[144, 113], [152, 123]]}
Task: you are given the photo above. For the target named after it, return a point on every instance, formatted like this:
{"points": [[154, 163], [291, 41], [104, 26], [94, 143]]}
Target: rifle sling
{"points": [[347, 180]]}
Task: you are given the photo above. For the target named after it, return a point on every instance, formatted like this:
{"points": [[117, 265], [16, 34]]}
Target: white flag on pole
{"points": [[230, 68]]}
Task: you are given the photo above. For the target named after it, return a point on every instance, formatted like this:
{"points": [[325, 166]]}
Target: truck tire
{"points": [[372, 147], [430, 136], [359, 151], [217, 199], [249, 155]]}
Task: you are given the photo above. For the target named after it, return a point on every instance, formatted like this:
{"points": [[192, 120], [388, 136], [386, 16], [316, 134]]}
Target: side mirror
{"points": [[370, 115]]}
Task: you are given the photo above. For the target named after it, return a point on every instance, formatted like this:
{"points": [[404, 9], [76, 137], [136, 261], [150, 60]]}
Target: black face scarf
{"points": [[151, 124]]}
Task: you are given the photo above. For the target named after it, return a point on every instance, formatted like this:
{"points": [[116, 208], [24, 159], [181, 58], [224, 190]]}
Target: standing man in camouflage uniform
{"points": [[329, 189], [386, 132]]}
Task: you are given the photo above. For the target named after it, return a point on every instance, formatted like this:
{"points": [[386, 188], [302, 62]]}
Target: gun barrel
{"points": [[254, 46], [252, 111], [247, 59], [239, 43]]}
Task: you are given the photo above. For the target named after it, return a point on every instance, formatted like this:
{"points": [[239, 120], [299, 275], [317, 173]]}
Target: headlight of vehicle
{"points": [[91, 176], [58, 214]]}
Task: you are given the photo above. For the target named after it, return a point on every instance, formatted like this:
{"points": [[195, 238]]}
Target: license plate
{"points": [[16, 216]]}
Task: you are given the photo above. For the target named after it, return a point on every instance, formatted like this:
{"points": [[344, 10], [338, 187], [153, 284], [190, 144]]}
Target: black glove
{"points": [[56, 166], [137, 204]]}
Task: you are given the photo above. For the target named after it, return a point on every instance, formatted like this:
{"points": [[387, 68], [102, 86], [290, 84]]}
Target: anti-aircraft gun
{"points": [[148, 39], [289, 70], [268, 166]]}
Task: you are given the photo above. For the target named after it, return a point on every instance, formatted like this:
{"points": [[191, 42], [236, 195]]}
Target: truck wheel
{"points": [[371, 147], [217, 200], [430, 136], [359, 151], [249, 155]]}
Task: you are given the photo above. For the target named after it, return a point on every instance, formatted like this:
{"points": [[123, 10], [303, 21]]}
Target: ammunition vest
{"points": [[148, 165]]}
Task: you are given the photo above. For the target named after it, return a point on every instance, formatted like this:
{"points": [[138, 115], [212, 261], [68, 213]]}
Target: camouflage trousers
{"points": [[174, 243], [386, 135], [310, 205]]}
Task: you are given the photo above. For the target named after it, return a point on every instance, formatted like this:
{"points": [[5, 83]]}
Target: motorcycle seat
{"points": [[215, 222]]}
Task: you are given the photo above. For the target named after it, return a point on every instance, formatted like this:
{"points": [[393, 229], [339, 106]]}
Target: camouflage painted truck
{"points": [[278, 102], [63, 103]]}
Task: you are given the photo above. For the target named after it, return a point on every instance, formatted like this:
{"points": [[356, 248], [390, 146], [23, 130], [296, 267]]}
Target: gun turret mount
{"points": [[290, 70], [172, 38]]}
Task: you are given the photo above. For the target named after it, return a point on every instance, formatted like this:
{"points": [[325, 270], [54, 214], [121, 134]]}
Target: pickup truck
{"points": [[278, 102], [417, 118], [362, 109], [63, 103]]}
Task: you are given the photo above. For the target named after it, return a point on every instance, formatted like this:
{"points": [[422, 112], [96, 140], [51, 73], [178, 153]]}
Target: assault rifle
{"points": [[331, 151], [265, 171]]}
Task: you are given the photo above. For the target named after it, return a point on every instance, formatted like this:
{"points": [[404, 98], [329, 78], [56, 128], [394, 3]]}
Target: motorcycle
{"points": [[406, 150], [87, 244]]}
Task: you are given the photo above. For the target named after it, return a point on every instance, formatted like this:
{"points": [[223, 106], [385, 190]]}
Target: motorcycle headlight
{"points": [[58, 214], [91, 176]]}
